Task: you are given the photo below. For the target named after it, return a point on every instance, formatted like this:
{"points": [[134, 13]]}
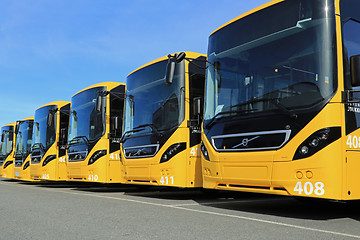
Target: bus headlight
{"points": [[48, 159], [204, 151], [98, 154], [172, 151], [317, 141], [26, 165]]}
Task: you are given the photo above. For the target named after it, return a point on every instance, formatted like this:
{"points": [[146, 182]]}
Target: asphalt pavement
{"points": [[89, 211]]}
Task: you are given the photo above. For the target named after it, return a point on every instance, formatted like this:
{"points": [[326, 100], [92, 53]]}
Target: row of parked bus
{"points": [[81, 140], [278, 113]]}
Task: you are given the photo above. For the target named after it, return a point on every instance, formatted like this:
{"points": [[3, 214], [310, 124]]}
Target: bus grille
{"points": [[254, 141], [141, 151]]}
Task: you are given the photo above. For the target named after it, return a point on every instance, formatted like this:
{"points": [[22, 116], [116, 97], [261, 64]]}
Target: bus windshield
{"points": [[24, 138], [44, 132], [279, 58], [151, 105], [86, 122], [6, 146]]}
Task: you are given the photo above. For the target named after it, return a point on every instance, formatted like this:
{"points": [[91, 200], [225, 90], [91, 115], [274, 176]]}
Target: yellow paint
{"points": [[24, 175], [54, 170], [330, 173], [183, 169], [105, 169], [8, 172]]}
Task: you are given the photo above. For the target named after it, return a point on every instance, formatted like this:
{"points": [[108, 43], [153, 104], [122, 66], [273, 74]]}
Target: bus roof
{"points": [[28, 118], [110, 85], [9, 125], [58, 103], [270, 3], [188, 54]]}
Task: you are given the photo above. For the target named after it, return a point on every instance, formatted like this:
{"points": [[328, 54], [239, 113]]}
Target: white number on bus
{"points": [[93, 178], [114, 156], [167, 180], [62, 159], [46, 176], [195, 151], [308, 188], [353, 141]]}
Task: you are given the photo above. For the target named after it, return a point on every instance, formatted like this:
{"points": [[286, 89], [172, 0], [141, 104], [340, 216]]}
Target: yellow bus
{"points": [[7, 151], [94, 134], [282, 110], [23, 131], [48, 152], [160, 143]]}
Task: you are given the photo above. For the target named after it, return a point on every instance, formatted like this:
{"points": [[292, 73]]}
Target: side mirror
{"points": [[170, 71], [116, 123], [51, 115], [63, 134], [17, 128], [132, 105], [355, 70], [197, 106], [50, 118], [179, 57], [98, 103], [170, 68]]}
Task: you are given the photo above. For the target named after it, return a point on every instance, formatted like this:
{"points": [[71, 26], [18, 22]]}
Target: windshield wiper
{"points": [[209, 124], [126, 134], [78, 139], [139, 129], [274, 101], [39, 146], [152, 126]]}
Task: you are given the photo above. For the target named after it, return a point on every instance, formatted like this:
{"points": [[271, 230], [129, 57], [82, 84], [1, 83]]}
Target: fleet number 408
{"points": [[353, 141], [308, 188]]}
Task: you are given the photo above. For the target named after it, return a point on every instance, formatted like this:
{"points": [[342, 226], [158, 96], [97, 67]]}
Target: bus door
{"points": [[351, 97]]}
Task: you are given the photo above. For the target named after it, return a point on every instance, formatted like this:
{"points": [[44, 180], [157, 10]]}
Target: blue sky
{"points": [[51, 49]]}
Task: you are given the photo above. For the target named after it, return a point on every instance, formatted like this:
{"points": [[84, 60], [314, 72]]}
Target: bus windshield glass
{"points": [[44, 129], [279, 58], [151, 104], [7, 145], [24, 138], [86, 121]]}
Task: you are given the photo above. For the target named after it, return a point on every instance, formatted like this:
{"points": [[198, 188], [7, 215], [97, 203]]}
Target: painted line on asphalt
{"points": [[199, 211], [221, 202]]}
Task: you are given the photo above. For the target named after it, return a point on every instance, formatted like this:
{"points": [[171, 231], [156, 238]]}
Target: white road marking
{"points": [[195, 210], [220, 202]]}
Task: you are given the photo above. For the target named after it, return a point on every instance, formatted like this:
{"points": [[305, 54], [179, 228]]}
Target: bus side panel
{"points": [[352, 175], [172, 172], [9, 171], [116, 170], [75, 171], [194, 166], [62, 169], [237, 170], [319, 175], [352, 165], [21, 174]]}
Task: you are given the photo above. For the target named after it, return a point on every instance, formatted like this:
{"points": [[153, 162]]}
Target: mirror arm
{"points": [[118, 96], [193, 59], [66, 112]]}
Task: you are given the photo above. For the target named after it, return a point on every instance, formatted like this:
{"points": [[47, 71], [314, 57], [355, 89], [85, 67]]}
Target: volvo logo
{"points": [[245, 142], [138, 152]]}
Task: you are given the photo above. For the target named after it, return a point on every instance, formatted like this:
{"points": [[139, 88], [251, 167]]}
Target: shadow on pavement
{"points": [[273, 205]]}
